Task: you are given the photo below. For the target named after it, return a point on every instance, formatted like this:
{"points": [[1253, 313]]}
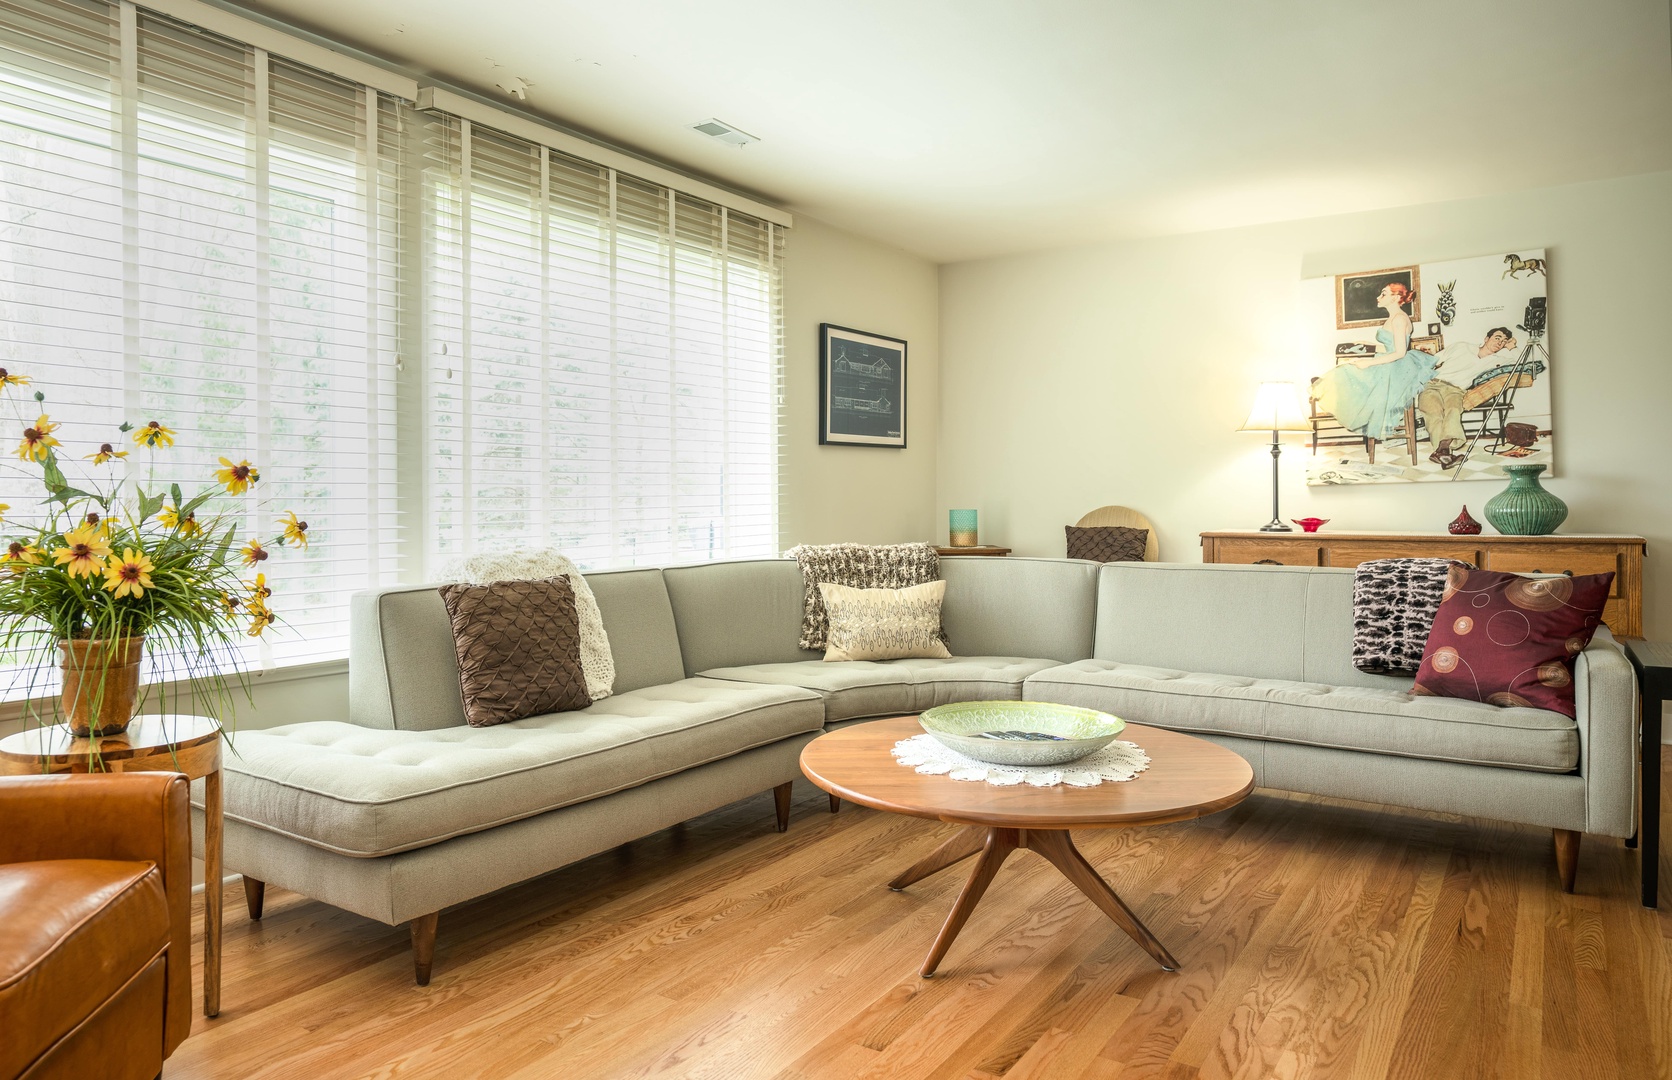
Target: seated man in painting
{"points": [[1456, 367]]}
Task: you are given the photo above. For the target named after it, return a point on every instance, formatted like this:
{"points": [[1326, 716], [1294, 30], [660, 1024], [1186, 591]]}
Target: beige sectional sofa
{"points": [[404, 810]]}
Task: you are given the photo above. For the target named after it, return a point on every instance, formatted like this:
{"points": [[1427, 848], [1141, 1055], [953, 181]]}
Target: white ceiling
{"points": [[963, 128]]}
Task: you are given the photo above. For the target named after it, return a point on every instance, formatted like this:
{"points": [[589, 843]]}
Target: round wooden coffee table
{"points": [[1187, 778]]}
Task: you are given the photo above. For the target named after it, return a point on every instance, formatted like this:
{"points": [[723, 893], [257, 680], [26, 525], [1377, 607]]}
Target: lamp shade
{"points": [[1278, 406]]}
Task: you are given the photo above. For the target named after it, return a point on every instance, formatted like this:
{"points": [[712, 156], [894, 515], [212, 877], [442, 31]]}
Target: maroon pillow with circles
{"points": [[1510, 640]]}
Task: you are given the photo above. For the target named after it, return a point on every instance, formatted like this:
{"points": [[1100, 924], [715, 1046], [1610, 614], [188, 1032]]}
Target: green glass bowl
{"points": [[1078, 731]]}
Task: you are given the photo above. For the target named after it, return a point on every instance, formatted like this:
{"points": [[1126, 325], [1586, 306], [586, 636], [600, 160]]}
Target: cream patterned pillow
{"points": [[884, 624]]}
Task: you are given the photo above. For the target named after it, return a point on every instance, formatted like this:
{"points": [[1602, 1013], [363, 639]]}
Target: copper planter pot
{"points": [[101, 684]]}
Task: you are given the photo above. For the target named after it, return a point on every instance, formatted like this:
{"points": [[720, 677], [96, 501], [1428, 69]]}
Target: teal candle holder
{"points": [[960, 526]]}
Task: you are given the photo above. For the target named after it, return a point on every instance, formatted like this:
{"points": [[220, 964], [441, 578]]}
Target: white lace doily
{"points": [[1118, 761]]}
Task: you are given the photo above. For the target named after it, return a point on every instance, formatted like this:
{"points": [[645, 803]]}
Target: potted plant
{"points": [[104, 575]]}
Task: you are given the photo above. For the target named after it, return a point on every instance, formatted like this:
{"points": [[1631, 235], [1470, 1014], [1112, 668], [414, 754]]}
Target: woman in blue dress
{"points": [[1369, 395]]}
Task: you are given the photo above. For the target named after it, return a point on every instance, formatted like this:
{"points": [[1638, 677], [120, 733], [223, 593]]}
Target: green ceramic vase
{"points": [[1525, 508]]}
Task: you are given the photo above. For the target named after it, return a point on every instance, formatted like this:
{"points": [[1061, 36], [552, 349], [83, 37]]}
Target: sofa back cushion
{"points": [[738, 613], [403, 672], [1262, 622], [639, 621], [1042, 609]]}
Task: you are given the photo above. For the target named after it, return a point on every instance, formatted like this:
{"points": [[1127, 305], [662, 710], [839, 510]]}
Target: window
{"points": [[196, 232], [603, 359], [401, 316]]}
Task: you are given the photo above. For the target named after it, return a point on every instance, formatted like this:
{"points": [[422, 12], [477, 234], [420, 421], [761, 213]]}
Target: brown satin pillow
{"points": [[519, 649], [1107, 543]]}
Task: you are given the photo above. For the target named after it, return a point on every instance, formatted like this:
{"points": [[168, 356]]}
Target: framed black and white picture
{"points": [[862, 388]]}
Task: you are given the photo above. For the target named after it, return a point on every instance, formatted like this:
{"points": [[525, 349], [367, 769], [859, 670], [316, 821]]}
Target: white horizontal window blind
{"points": [[603, 359], [199, 232], [195, 232]]}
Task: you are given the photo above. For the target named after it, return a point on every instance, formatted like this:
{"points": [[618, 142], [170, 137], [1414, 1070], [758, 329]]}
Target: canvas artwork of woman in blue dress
{"points": [[1369, 395]]}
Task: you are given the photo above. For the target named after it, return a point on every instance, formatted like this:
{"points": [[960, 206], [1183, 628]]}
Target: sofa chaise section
{"points": [[408, 810]]}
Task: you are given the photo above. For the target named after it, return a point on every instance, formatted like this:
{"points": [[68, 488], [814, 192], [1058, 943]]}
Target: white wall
{"points": [[1117, 373], [865, 494]]}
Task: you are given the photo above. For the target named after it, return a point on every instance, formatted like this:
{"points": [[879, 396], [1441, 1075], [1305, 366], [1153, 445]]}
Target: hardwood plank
{"points": [[1317, 938]]}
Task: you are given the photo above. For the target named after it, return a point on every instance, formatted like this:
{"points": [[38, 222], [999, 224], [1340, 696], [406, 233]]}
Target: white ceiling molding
{"points": [[262, 36], [434, 98]]}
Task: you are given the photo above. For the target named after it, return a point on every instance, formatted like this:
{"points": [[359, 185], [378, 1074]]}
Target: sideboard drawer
{"points": [[1282, 552], [1350, 553], [1557, 559]]}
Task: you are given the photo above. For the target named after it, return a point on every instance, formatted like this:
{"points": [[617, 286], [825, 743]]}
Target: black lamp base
{"points": [[1276, 526]]}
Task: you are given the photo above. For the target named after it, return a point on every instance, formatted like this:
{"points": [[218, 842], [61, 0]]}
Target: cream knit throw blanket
{"points": [[539, 564]]}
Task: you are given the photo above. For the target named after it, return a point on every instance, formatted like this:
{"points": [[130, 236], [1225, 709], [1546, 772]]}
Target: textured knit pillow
{"points": [[539, 563], [858, 566], [519, 649], [1510, 640], [884, 624], [1394, 601], [1107, 543]]}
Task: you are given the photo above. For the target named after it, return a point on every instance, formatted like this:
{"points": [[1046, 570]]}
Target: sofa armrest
{"points": [[1606, 704], [132, 817]]}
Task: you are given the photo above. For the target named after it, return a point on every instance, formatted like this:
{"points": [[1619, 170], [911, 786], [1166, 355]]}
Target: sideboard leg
{"points": [[1567, 856], [423, 946], [781, 803]]}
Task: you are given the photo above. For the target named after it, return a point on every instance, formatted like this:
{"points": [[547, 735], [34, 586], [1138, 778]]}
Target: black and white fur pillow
{"points": [[1394, 604], [858, 566]]}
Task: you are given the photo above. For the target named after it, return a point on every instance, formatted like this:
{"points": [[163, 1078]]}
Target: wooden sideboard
{"points": [[1565, 554]]}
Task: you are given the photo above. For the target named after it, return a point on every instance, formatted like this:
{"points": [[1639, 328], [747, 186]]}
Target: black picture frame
{"points": [[862, 388]]}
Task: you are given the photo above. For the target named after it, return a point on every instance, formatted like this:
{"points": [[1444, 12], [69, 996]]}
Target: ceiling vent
{"points": [[724, 132]]}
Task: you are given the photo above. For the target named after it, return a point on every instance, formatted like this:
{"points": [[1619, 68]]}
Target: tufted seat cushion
{"points": [[860, 688], [374, 791], [1375, 720]]}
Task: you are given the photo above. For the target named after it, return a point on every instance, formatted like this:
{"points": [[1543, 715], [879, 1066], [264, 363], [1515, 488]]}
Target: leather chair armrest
{"points": [[138, 816]]}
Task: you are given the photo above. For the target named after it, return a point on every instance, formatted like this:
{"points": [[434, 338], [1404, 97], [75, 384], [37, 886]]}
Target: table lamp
{"points": [[1278, 407]]}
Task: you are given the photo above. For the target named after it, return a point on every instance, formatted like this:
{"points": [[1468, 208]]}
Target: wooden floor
{"points": [[1318, 939]]}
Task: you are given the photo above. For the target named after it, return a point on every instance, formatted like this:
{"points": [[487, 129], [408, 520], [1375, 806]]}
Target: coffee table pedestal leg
{"points": [[995, 845], [966, 842]]}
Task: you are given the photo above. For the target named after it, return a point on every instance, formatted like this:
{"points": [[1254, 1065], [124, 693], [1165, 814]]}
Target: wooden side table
{"points": [[1653, 661], [182, 744], [980, 550]]}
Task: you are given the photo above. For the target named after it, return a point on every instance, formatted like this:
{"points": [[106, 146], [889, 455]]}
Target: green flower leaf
{"points": [[148, 504]]}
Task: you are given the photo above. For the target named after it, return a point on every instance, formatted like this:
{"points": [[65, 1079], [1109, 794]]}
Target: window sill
{"points": [[11, 706]]}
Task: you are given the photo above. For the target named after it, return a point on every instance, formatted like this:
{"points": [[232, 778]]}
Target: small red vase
{"points": [[1464, 525]]}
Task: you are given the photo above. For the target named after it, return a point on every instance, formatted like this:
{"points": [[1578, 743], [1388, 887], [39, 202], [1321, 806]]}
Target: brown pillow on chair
{"points": [[519, 649], [1107, 543]]}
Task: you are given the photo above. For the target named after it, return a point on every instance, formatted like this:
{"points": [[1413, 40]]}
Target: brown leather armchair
{"points": [[95, 925]]}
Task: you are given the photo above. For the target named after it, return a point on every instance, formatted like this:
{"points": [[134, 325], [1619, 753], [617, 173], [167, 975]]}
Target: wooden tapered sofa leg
{"points": [[255, 892], [423, 946], [835, 805], [781, 803], [1567, 856]]}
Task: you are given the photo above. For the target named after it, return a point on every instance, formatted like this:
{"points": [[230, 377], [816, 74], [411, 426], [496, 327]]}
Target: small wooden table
{"points": [[1653, 662], [1187, 778], [979, 549], [182, 744]]}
